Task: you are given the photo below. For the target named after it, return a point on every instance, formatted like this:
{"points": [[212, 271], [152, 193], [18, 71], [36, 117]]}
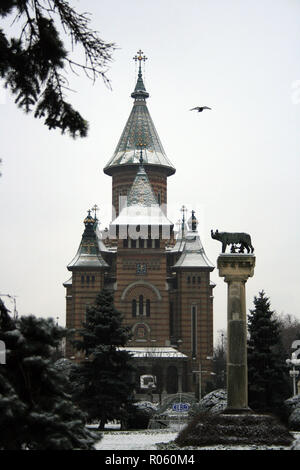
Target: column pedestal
{"points": [[237, 424], [236, 269]]}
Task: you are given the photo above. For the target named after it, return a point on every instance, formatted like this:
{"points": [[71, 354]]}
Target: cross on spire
{"points": [[95, 208], [140, 92], [140, 57], [184, 211]]}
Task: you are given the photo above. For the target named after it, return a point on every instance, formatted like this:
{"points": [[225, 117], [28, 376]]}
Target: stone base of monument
{"points": [[231, 429]]}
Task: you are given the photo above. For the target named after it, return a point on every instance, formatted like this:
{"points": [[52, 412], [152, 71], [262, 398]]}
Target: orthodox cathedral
{"points": [[160, 277]]}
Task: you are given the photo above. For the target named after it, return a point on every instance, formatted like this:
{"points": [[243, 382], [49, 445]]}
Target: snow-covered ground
{"points": [[134, 440], [147, 440]]}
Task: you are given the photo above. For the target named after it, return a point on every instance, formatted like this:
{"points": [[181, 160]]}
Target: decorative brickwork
{"points": [[123, 177], [161, 285]]}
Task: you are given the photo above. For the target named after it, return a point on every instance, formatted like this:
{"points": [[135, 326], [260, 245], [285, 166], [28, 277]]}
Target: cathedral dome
{"points": [[139, 134]]}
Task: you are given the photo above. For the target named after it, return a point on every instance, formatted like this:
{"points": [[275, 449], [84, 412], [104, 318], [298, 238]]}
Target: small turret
{"points": [[88, 254]]}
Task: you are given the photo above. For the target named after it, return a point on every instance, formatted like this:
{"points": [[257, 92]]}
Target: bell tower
{"points": [[139, 134], [160, 280]]}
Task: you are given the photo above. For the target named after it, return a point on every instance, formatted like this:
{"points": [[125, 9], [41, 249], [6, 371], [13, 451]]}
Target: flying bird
{"points": [[200, 108]]}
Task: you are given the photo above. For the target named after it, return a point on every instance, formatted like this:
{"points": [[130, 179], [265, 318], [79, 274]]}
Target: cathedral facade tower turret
{"points": [[160, 280], [139, 134]]}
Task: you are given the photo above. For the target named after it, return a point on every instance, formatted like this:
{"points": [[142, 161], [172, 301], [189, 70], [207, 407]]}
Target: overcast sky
{"points": [[237, 166]]}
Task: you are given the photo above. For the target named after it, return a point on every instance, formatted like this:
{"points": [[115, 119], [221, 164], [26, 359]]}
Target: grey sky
{"points": [[237, 165]]}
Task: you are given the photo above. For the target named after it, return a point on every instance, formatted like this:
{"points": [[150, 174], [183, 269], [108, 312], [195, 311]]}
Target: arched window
{"points": [[141, 305], [148, 307], [133, 308]]}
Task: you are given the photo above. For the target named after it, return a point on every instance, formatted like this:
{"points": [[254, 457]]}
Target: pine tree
{"points": [[33, 63], [267, 372], [35, 411], [104, 382], [219, 363]]}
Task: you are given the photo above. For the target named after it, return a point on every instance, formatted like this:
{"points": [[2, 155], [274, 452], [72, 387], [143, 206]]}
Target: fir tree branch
{"points": [[30, 63]]}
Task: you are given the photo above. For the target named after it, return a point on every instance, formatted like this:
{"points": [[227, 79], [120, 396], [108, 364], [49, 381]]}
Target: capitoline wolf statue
{"points": [[234, 239]]}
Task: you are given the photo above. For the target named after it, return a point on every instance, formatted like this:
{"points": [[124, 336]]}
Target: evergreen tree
{"points": [[33, 63], [35, 411], [104, 382], [267, 371], [219, 363]]}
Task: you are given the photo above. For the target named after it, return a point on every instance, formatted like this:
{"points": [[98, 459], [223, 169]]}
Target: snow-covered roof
{"points": [[141, 206], [139, 133], [68, 282], [193, 254], [142, 215], [86, 260], [88, 254], [155, 352]]}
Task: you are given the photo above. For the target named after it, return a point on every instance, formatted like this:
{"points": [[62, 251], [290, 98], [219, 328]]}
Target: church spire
{"points": [[139, 133], [140, 92], [88, 254]]}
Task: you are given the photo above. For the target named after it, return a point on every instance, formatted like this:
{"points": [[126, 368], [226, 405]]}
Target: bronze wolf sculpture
{"points": [[227, 238]]}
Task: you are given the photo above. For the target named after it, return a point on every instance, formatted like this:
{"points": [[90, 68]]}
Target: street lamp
{"points": [[293, 373], [294, 362], [200, 372]]}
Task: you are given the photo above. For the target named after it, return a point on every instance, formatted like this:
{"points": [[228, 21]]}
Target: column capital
{"points": [[236, 267]]}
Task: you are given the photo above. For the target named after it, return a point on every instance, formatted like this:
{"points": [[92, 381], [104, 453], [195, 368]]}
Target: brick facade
{"points": [[162, 286]]}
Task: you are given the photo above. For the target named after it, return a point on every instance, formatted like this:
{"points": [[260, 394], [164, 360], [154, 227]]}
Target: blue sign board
{"points": [[180, 407]]}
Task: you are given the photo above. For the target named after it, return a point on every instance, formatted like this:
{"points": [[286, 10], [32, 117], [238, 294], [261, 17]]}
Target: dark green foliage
{"points": [[32, 63], [35, 411], [221, 429], [138, 418], [219, 364], [104, 382], [267, 372]]}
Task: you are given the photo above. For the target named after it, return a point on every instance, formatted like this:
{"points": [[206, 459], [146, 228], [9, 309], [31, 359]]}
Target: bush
{"points": [[213, 402], [209, 429], [139, 416]]}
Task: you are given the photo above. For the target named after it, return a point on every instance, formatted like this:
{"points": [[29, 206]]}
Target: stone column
{"points": [[236, 268]]}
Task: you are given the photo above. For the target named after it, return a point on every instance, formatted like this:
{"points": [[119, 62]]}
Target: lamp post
{"points": [[200, 372], [293, 372], [294, 362]]}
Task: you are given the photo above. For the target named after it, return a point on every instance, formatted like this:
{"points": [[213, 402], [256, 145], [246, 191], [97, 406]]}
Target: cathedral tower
{"points": [[139, 134], [160, 279]]}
